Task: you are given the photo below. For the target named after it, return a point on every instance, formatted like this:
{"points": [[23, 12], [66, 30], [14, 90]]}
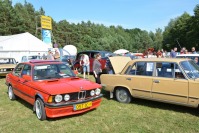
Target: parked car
{"points": [[161, 79], [189, 56], [91, 54], [52, 88], [7, 65], [30, 57]]}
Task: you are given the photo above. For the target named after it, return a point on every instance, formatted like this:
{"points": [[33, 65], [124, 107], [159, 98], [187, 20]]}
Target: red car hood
{"points": [[62, 86]]}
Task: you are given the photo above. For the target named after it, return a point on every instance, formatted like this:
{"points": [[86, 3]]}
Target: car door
{"points": [[25, 86], [169, 83], [141, 79], [15, 79]]}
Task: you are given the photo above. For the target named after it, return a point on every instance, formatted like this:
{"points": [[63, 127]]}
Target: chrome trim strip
{"points": [[169, 94]]}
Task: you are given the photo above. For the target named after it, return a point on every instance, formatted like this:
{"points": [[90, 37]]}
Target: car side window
{"points": [[165, 69], [26, 70], [142, 68], [178, 72], [18, 69]]}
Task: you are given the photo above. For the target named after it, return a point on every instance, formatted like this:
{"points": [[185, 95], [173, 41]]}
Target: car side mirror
{"points": [[26, 77]]}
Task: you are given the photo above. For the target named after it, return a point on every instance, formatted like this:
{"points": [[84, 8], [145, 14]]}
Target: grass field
{"points": [[111, 117]]}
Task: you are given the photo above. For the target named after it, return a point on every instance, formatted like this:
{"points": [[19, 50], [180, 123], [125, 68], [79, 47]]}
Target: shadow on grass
{"points": [[159, 105], [2, 77], [166, 106], [24, 103]]}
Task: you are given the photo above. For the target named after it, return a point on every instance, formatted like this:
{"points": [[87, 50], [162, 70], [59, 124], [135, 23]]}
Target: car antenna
{"points": [[178, 43]]}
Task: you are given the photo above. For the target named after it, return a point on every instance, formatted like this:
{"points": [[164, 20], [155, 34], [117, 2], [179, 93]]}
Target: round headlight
{"points": [[97, 91], [58, 98], [67, 97], [92, 93]]}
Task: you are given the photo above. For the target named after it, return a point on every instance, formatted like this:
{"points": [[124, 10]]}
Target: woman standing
{"points": [[97, 68]]}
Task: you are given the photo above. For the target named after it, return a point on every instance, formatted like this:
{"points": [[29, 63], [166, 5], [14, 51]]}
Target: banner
{"points": [[46, 37], [46, 22]]}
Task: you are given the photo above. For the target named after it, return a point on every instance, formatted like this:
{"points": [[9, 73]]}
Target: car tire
{"points": [[123, 95], [11, 94], [39, 109]]}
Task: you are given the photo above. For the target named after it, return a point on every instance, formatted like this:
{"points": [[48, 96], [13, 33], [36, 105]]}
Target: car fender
{"points": [[123, 86]]}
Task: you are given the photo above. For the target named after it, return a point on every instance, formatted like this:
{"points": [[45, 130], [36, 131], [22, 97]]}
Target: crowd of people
{"points": [[182, 51], [164, 54]]}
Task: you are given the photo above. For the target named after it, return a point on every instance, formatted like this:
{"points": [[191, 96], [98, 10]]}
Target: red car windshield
{"points": [[52, 71]]}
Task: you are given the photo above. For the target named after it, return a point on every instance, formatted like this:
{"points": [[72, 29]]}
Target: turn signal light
{"points": [[50, 99]]}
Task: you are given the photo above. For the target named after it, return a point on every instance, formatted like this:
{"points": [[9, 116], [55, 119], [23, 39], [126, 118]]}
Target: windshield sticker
{"points": [[41, 67], [149, 67]]}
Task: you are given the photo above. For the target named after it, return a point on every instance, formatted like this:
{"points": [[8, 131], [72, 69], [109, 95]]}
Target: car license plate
{"points": [[82, 106]]}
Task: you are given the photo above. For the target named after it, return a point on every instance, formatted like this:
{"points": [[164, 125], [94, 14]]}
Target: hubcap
{"points": [[38, 109], [122, 95], [10, 92]]}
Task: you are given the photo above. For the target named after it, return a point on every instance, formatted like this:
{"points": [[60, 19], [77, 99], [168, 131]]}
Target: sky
{"points": [[147, 15]]}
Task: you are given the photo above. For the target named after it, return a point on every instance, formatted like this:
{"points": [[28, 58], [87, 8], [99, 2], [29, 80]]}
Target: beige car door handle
{"points": [[156, 81]]}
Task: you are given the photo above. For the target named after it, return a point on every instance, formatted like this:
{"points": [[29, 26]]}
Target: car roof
{"points": [[42, 62], [161, 59]]}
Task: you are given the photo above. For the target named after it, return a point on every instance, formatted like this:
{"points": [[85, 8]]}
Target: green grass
{"points": [[112, 116]]}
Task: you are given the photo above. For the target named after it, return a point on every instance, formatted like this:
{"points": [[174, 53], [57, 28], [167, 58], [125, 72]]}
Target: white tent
{"points": [[21, 44]]}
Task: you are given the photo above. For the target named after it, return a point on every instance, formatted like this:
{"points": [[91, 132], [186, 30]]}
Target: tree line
{"points": [[182, 31]]}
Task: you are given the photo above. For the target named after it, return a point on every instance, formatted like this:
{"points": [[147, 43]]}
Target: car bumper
{"points": [[4, 73], [58, 110]]}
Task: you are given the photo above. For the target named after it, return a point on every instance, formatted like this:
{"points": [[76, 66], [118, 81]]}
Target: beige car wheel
{"points": [[123, 95]]}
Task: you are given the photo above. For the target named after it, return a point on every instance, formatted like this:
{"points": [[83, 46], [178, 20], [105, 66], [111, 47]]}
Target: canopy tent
{"points": [[22, 44], [121, 51]]}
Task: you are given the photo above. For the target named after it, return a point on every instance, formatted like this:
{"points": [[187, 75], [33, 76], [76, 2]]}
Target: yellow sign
{"points": [[46, 22], [82, 106]]}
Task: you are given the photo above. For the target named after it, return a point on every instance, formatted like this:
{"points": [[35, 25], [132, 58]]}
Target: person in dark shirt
{"points": [[97, 68], [173, 53]]}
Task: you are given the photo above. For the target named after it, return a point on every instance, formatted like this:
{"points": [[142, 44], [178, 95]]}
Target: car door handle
{"points": [[156, 81], [128, 78]]}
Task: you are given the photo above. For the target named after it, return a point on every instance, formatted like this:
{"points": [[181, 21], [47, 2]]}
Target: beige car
{"points": [[161, 79], [7, 65]]}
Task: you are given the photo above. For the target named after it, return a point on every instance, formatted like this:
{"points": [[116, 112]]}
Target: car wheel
{"points": [[39, 109], [11, 93], [123, 95]]}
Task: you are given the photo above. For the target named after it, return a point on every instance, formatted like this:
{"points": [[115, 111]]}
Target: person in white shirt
{"points": [[85, 63]]}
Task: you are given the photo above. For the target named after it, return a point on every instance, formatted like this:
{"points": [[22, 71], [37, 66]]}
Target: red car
{"points": [[91, 54], [52, 88]]}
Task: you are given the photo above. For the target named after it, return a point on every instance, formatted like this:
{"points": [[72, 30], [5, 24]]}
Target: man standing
{"points": [[50, 56], [193, 50], [85, 63], [57, 55], [173, 53]]}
